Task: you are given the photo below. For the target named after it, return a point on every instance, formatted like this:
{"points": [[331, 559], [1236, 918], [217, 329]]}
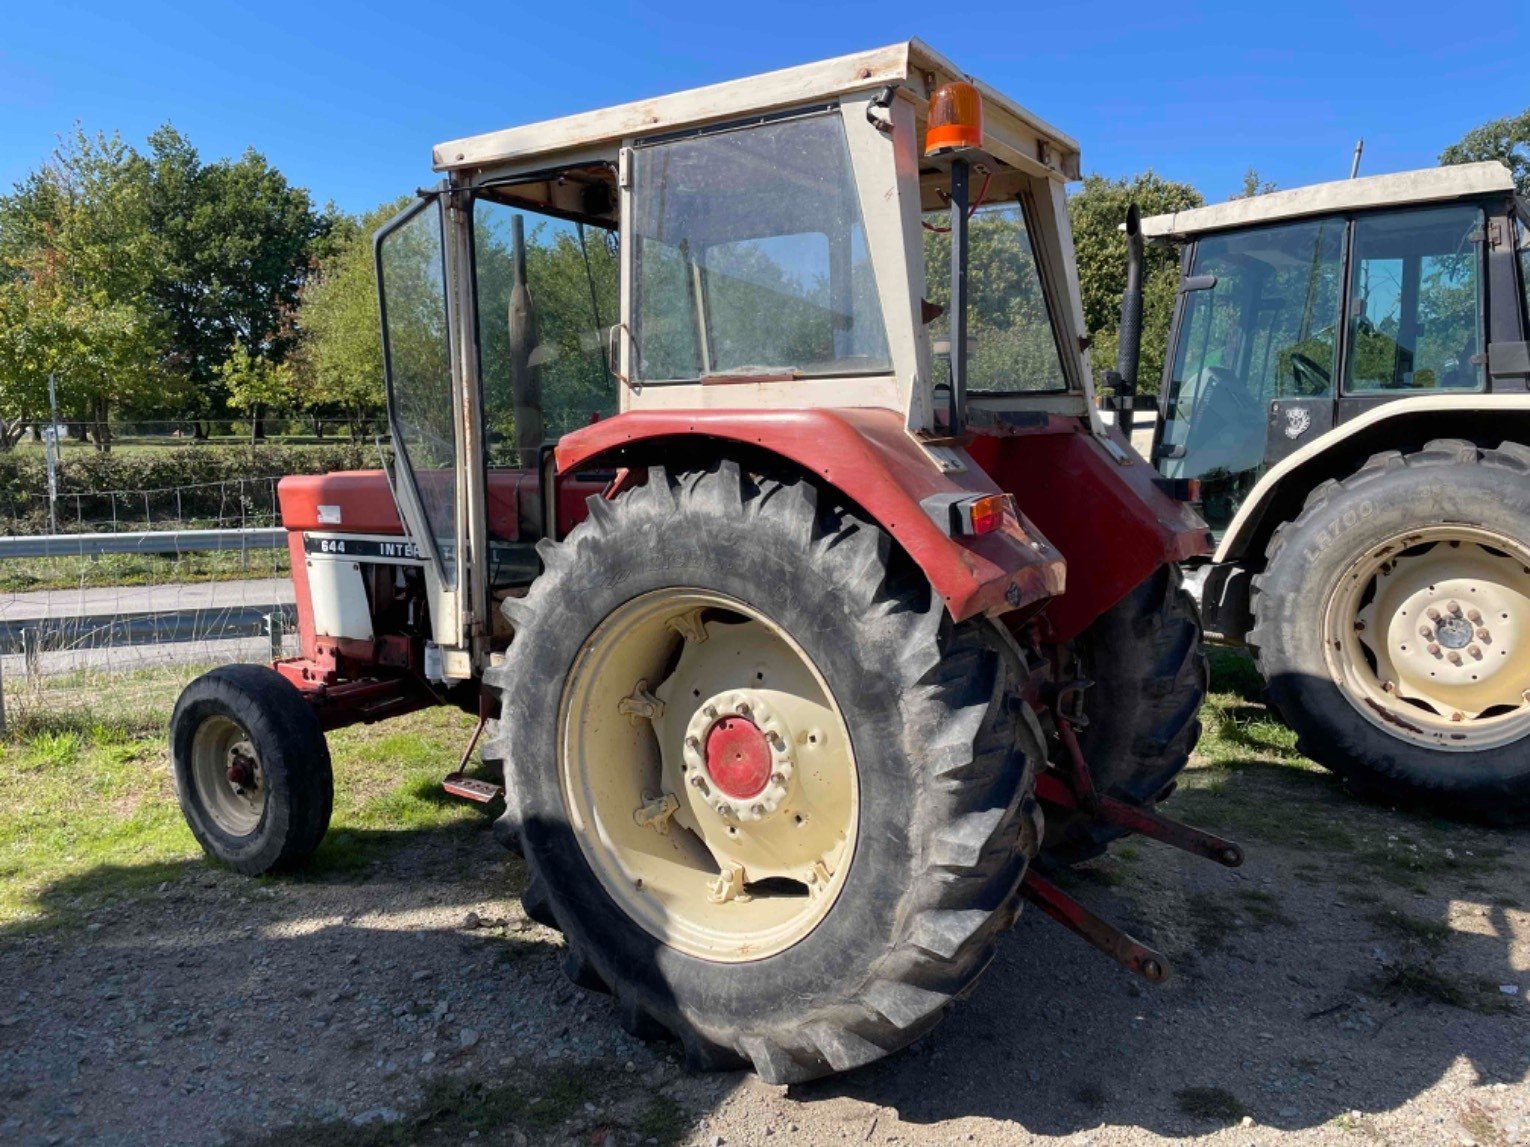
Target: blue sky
{"points": [[347, 99]]}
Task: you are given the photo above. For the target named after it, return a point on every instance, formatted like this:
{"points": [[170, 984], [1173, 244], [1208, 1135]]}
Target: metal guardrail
{"points": [[141, 542], [106, 627]]}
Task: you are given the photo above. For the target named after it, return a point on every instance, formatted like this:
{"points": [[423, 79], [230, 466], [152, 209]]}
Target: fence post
{"points": [[274, 628], [2, 697], [29, 652]]}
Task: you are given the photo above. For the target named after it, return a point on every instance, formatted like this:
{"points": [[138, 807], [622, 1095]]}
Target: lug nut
{"points": [[1434, 649], [1454, 658], [1475, 652], [1388, 687], [696, 781], [1474, 617], [1434, 614], [1458, 716], [1425, 631], [1484, 635], [758, 810], [1454, 607]]}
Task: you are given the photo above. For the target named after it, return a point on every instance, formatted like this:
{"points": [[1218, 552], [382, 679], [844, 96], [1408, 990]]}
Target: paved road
{"points": [[98, 601]]}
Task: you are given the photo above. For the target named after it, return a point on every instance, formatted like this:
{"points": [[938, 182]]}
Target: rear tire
{"points": [[1440, 720], [942, 748], [251, 768], [1148, 666]]}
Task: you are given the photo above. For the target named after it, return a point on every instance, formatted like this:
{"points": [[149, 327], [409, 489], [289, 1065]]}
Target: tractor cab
{"points": [[1302, 310], [874, 233]]}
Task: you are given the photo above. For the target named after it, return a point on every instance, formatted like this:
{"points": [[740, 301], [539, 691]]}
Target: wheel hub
{"points": [[738, 755], [1436, 643], [709, 775]]}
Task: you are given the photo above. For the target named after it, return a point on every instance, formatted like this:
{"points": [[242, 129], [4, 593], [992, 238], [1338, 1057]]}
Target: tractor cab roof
{"points": [[911, 67], [1429, 185]]}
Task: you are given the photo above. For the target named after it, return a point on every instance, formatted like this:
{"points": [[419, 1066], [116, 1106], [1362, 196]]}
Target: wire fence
{"points": [[103, 637], [225, 504]]}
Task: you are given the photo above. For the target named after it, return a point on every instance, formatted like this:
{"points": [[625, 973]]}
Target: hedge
{"points": [[190, 485]]}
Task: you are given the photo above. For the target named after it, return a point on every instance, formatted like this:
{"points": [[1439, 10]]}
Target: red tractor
{"points": [[748, 478]]}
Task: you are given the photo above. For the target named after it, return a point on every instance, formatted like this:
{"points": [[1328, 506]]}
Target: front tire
{"points": [[1392, 627], [752, 611], [251, 768]]}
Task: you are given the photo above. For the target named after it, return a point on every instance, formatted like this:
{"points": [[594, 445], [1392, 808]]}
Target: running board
{"points": [[471, 788], [1121, 947]]}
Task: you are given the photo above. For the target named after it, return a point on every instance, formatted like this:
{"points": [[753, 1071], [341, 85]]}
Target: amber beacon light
{"points": [[956, 118]]}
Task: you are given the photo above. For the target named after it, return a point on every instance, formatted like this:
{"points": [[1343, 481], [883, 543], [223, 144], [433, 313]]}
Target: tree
{"points": [[256, 385], [1506, 139], [342, 366], [232, 242], [1253, 185], [76, 260], [1096, 214]]}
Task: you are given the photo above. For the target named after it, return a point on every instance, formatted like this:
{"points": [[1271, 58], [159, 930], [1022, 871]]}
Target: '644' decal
{"points": [[364, 549]]}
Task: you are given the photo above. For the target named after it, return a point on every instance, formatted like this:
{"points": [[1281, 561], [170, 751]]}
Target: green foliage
{"points": [[197, 470], [569, 347], [1011, 344], [254, 382], [1506, 139], [232, 242], [1096, 214], [341, 365], [132, 276], [1253, 185], [77, 262]]}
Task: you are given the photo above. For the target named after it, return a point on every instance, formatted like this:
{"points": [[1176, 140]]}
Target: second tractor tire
{"points": [[1450, 483]]}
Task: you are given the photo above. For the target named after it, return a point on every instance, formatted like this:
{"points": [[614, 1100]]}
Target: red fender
{"points": [[867, 455]]}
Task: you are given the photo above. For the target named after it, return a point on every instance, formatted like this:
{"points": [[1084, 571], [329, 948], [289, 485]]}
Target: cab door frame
{"points": [[452, 588]]}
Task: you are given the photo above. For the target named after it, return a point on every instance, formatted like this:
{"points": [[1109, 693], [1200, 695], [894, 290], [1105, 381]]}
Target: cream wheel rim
{"points": [[708, 775], [1428, 636], [228, 776]]}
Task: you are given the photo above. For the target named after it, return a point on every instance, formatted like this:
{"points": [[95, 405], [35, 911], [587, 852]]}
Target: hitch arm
{"points": [[1125, 949]]}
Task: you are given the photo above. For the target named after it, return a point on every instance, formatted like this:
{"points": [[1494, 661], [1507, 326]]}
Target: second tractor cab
{"points": [[748, 478], [1346, 403]]}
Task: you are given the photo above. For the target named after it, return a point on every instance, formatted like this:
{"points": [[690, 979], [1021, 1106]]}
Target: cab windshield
{"points": [[1259, 323], [750, 256]]}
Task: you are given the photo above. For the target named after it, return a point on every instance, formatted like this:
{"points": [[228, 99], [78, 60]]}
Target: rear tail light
{"points": [[987, 513], [967, 514]]}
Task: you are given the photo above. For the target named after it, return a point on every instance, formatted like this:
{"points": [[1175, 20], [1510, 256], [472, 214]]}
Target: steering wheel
{"points": [[1310, 377]]}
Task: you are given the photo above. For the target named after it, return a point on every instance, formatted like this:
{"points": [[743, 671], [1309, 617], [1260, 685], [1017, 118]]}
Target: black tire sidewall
{"points": [[1316, 551], [294, 762], [752, 561]]}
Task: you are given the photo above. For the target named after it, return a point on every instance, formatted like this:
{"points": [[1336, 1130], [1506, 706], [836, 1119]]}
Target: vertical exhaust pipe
{"points": [[525, 381], [1129, 338]]}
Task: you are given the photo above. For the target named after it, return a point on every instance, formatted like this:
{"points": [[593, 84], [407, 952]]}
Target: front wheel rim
{"points": [[1428, 635], [228, 776], [708, 775]]}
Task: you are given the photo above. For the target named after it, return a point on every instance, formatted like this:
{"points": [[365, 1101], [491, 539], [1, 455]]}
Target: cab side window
{"points": [[1415, 306]]}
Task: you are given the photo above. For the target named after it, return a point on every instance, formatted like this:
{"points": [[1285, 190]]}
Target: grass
{"points": [[1215, 1104], [98, 800], [1422, 981], [22, 575], [453, 1108]]}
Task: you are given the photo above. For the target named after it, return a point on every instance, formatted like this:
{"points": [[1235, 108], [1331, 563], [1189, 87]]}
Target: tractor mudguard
{"points": [[867, 456], [1110, 520]]}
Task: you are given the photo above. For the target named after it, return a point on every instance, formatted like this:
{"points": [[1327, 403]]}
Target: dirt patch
{"points": [[405, 998]]}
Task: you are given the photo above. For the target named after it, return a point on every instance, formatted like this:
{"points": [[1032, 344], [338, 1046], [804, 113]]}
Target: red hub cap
{"points": [[738, 757]]}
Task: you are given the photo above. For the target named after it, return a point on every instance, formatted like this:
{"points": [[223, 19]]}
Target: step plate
{"points": [[471, 788]]}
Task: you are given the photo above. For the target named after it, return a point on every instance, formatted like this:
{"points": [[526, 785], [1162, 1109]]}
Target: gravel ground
{"points": [[1314, 1000]]}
